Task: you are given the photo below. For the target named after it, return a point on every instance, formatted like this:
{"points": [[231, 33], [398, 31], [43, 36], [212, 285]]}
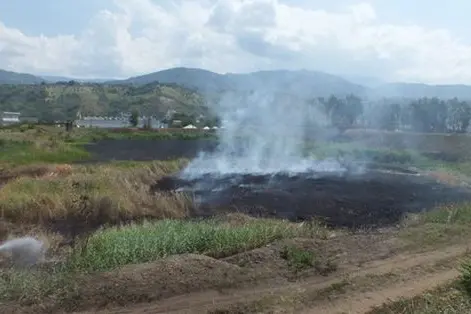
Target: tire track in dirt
{"points": [[361, 303], [211, 300]]}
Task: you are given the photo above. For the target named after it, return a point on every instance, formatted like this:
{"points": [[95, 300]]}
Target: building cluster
{"points": [[8, 117]]}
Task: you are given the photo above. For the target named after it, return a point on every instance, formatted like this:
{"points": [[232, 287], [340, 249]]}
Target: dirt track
{"points": [[351, 290], [352, 274]]}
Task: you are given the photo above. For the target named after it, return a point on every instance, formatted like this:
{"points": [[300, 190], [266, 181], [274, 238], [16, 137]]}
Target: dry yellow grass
{"points": [[39, 194]]}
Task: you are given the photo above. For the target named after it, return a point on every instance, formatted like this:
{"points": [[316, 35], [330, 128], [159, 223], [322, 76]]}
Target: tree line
{"points": [[429, 115]]}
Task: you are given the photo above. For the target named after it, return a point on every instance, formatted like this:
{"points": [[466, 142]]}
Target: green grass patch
{"points": [[113, 247], [28, 287], [465, 280], [358, 151], [438, 226], [95, 135], [449, 299], [298, 258], [25, 152], [401, 157], [451, 214]]}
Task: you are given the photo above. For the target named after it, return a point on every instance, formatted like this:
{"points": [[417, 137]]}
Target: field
{"points": [[123, 238]]}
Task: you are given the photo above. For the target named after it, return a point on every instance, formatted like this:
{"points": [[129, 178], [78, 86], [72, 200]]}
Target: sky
{"points": [[402, 40]]}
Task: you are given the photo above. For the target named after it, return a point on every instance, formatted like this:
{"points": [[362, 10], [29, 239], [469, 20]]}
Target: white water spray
{"points": [[25, 251]]}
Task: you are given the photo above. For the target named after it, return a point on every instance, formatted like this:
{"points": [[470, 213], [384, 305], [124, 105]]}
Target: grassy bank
{"points": [[146, 242], [26, 145], [17, 153], [359, 151], [109, 193], [451, 223]]}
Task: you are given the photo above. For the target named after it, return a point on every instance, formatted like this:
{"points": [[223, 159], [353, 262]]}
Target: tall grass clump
{"points": [[465, 279], [114, 247], [123, 189]]}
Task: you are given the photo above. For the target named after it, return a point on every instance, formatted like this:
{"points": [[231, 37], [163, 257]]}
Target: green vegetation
{"points": [[298, 258], [30, 144], [25, 152], [113, 247], [134, 118], [465, 280], [99, 193], [61, 101]]}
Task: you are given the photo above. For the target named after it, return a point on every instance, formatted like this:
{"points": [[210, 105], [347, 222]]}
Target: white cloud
{"points": [[140, 36]]}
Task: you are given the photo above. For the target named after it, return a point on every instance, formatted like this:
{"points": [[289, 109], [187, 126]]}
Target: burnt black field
{"points": [[376, 198]]}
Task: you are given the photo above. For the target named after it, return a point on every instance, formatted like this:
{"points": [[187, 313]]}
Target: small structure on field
{"points": [[9, 117], [189, 126]]}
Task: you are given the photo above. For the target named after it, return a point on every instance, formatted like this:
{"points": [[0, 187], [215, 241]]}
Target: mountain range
{"points": [[302, 83]]}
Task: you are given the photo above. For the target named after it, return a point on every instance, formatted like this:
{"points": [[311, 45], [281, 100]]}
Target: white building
{"points": [[8, 117]]}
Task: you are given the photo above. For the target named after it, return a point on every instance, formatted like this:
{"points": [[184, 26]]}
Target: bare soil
{"points": [[352, 274], [360, 282]]}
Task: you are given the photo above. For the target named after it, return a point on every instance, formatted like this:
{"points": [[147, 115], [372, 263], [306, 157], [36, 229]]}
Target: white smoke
{"points": [[26, 251], [263, 132]]}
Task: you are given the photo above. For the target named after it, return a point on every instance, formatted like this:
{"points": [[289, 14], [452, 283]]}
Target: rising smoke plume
{"points": [[263, 132]]}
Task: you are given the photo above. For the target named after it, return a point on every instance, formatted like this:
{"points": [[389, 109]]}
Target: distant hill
{"points": [[56, 79], [8, 77], [367, 81], [57, 101], [416, 90], [302, 83]]}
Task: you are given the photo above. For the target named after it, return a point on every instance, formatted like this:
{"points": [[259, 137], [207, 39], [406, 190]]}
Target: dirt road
{"points": [[352, 289]]}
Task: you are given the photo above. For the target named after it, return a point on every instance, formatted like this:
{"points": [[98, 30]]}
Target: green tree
{"points": [[343, 113], [134, 118], [459, 116], [391, 117]]}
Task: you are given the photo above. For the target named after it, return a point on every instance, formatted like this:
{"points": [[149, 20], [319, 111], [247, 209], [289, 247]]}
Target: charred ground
{"points": [[374, 198]]}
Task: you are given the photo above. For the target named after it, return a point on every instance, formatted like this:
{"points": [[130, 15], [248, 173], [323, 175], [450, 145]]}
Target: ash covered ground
{"points": [[372, 198]]}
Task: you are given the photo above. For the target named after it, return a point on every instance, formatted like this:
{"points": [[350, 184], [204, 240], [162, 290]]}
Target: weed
{"points": [[297, 258]]}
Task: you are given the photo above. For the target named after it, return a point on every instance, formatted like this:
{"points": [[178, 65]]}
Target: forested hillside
{"points": [[62, 100]]}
